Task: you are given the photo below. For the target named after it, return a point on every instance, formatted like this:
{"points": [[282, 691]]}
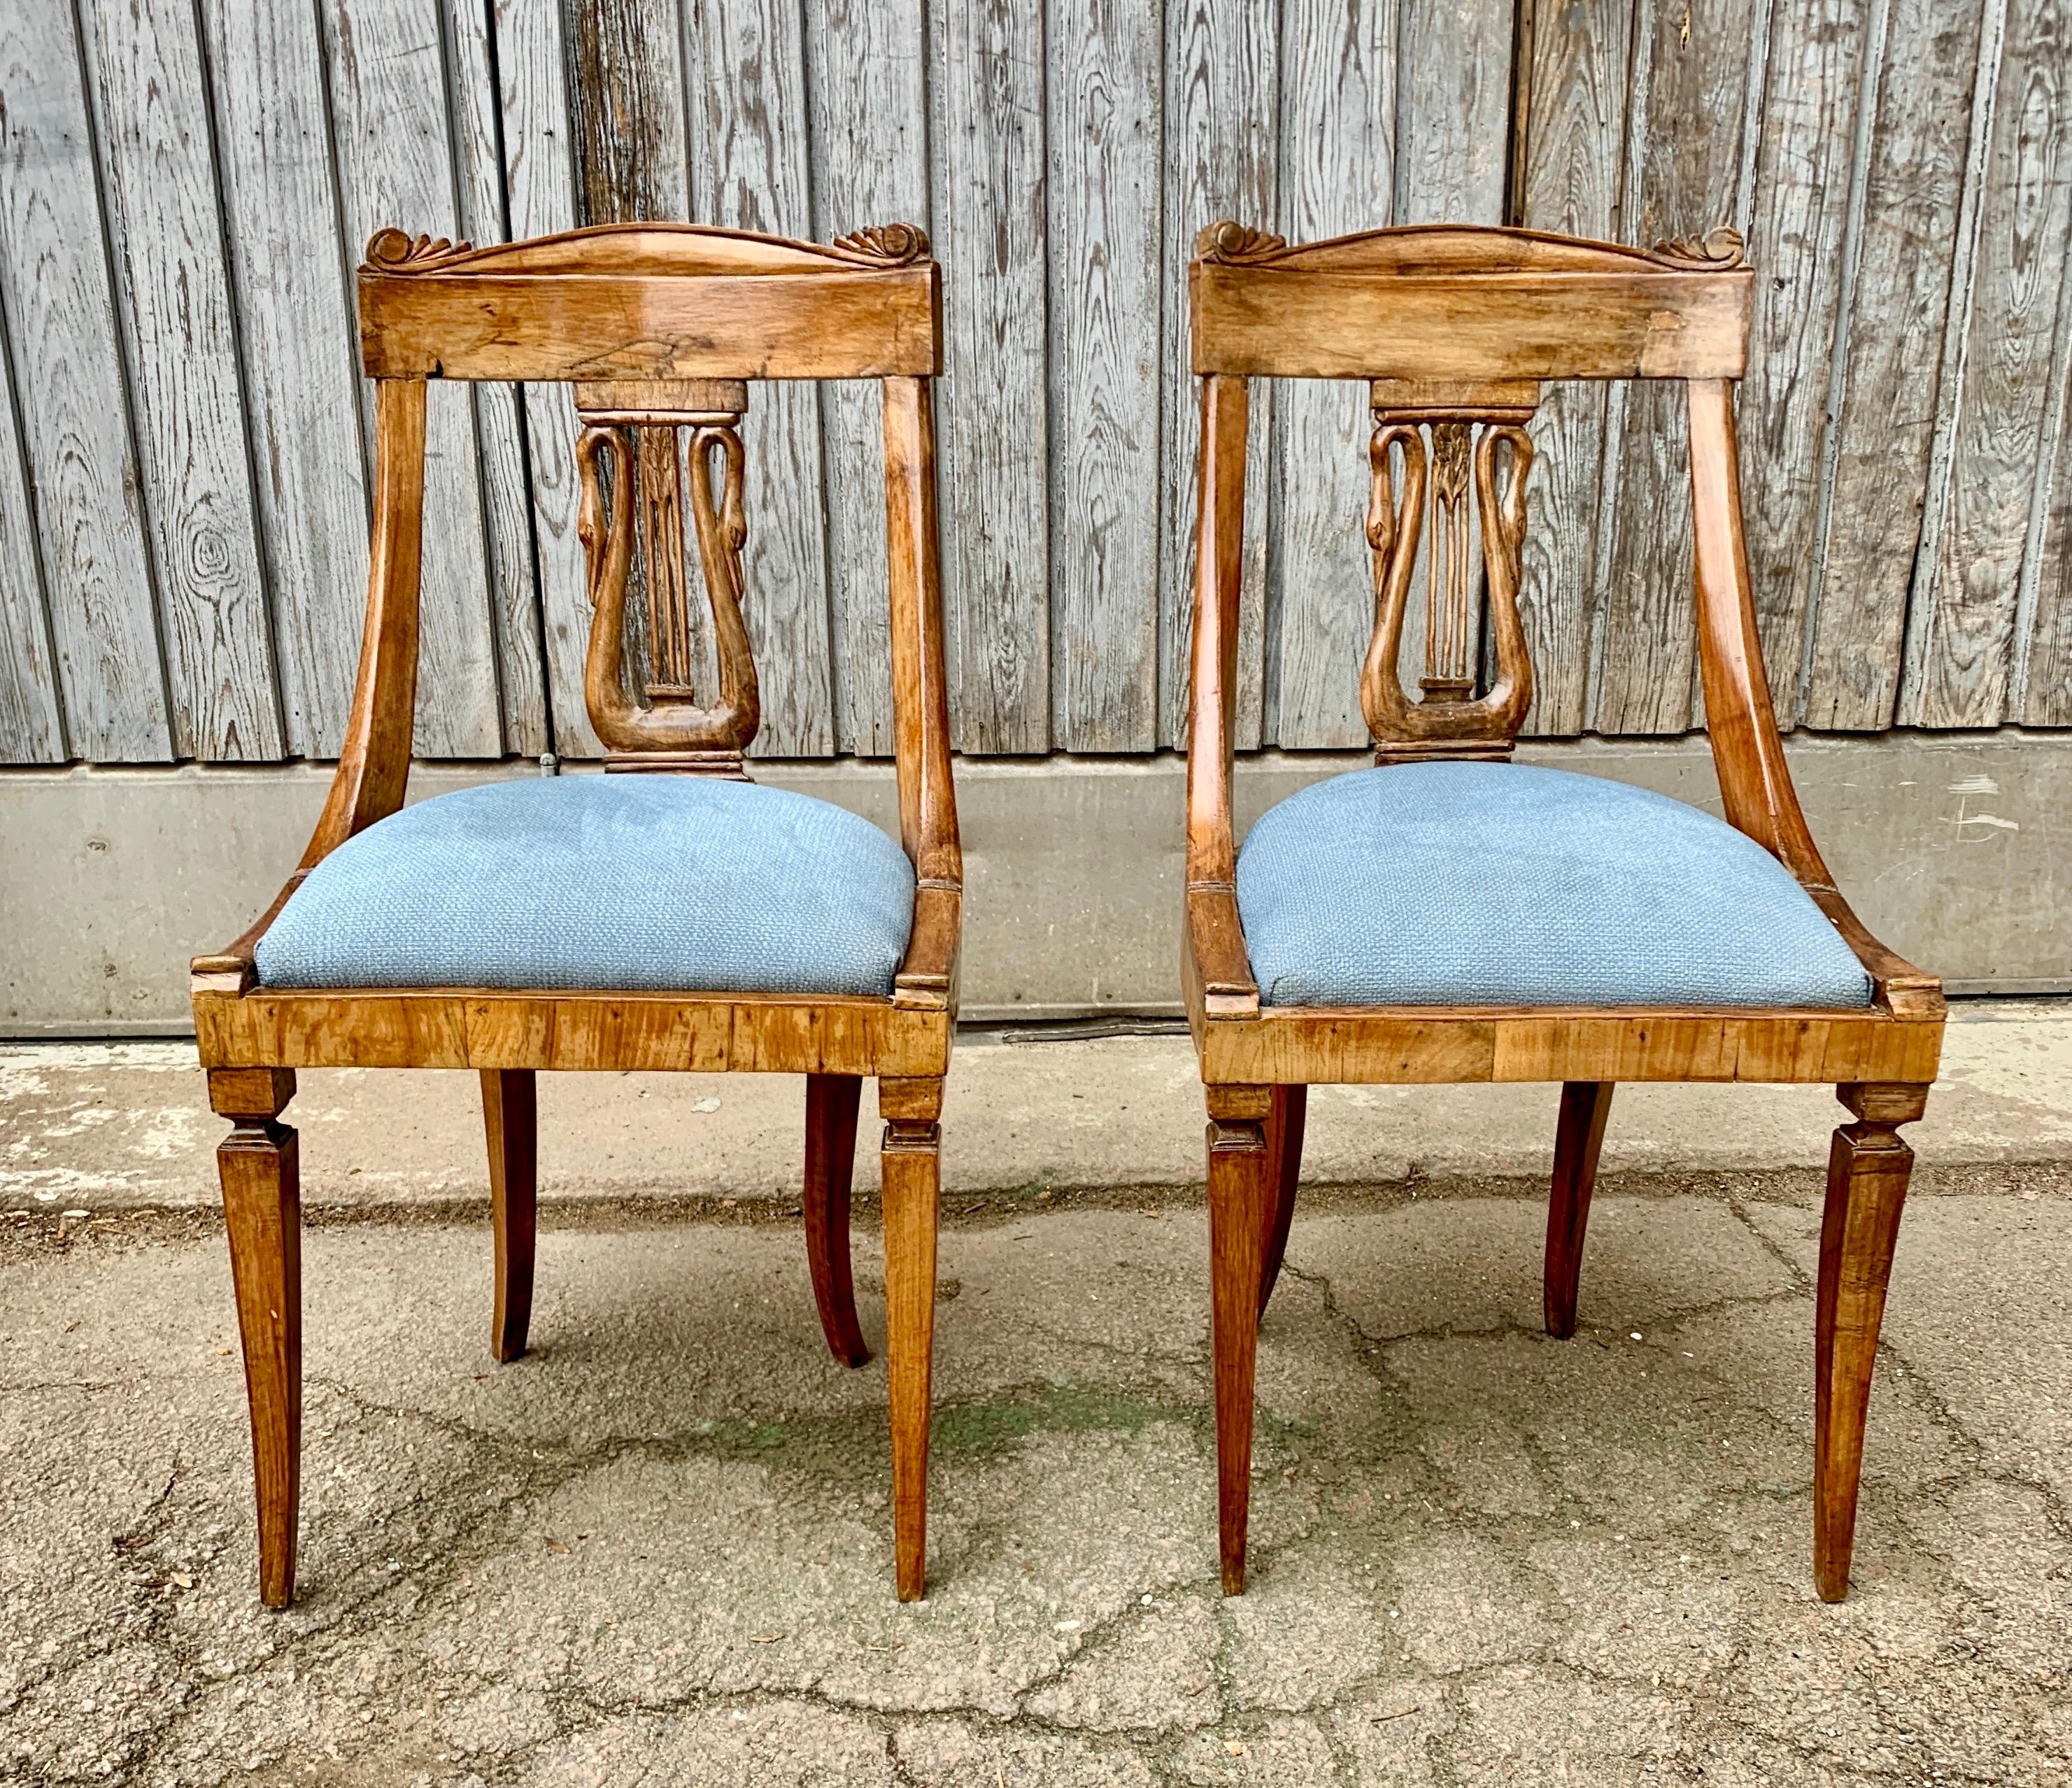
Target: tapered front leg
{"points": [[1868, 1169], [1241, 1208], [1284, 1146], [831, 1107], [1579, 1135], [510, 1116], [262, 1212], [910, 1169]]}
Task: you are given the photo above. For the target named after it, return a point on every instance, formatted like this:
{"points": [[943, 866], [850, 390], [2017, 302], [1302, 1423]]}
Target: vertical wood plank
{"points": [[477, 113], [1896, 324], [540, 192], [1573, 152], [1104, 79], [1690, 68], [1961, 623], [746, 62], [1796, 240], [2047, 695], [154, 129], [866, 83], [988, 149], [1221, 156], [75, 414], [299, 336], [31, 723], [388, 91], [631, 157], [1338, 173]]}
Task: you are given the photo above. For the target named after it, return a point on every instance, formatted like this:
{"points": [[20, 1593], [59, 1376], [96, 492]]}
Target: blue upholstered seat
{"points": [[1488, 884], [611, 882]]}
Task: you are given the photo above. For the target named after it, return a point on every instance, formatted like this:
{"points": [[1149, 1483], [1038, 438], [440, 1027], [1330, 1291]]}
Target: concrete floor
{"points": [[658, 1550]]}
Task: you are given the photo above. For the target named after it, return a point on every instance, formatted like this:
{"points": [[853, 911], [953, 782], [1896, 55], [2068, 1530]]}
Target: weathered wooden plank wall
{"points": [[184, 187]]}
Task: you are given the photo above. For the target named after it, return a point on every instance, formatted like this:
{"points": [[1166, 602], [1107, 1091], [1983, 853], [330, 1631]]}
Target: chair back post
{"points": [[920, 679], [1218, 566], [1741, 723], [374, 765]]}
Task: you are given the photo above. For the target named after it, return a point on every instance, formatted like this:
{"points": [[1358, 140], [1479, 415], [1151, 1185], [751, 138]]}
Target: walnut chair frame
{"points": [[660, 328], [1454, 329]]}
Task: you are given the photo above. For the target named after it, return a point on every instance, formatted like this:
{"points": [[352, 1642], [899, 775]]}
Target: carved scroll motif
{"points": [[668, 731], [1458, 466]]}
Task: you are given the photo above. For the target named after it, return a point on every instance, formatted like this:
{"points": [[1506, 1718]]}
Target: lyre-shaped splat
{"points": [[637, 424], [1459, 466]]}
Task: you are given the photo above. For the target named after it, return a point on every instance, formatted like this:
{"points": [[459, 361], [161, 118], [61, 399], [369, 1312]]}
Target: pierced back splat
{"points": [[636, 425], [1467, 426]]}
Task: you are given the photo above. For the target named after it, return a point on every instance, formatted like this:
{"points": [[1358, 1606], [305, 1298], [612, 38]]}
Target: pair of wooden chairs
{"points": [[1448, 916]]}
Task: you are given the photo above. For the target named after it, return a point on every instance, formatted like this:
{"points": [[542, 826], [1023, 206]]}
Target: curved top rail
{"points": [[650, 248], [1465, 248]]}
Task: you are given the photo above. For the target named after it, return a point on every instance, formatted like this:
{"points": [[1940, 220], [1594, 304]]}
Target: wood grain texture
{"points": [[1913, 184], [1221, 157], [1798, 227], [1572, 153], [184, 377], [258, 1165], [31, 719], [511, 1125], [1284, 1127], [867, 88], [1452, 118], [1415, 1047], [910, 1175], [711, 1034], [1868, 1169], [1579, 1138], [67, 360], [2046, 694], [540, 197], [477, 120], [1241, 1208], [746, 64], [986, 77], [1961, 628], [389, 92], [1691, 65], [831, 1108], [1103, 81], [1338, 173], [296, 329]]}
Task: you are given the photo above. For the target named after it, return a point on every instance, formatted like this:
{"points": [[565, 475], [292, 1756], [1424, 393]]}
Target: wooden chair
{"points": [[674, 918], [1393, 925]]}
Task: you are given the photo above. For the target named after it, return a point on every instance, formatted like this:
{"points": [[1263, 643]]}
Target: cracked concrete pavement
{"points": [[658, 1551]]}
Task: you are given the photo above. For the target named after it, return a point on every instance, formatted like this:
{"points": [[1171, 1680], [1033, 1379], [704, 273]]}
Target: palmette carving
{"points": [[885, 244], [1717, 251], [394, 251], [1438, 483], [670, 729]]}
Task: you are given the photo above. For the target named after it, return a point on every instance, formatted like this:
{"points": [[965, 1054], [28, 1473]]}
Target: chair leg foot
{"points": [[1241, 1209], [1578, 1137], [1868, 1169], [831, 1108], [910, 1169], [262, 1212], [510, 1118], [1283, 1147]]}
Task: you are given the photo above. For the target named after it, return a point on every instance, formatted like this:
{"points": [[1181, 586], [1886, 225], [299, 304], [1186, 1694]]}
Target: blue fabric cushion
{"points": [[1490, 884], [612, 882]]}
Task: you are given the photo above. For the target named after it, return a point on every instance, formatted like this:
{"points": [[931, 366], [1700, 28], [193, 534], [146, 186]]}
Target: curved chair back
{"points": [[661, 329]]}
